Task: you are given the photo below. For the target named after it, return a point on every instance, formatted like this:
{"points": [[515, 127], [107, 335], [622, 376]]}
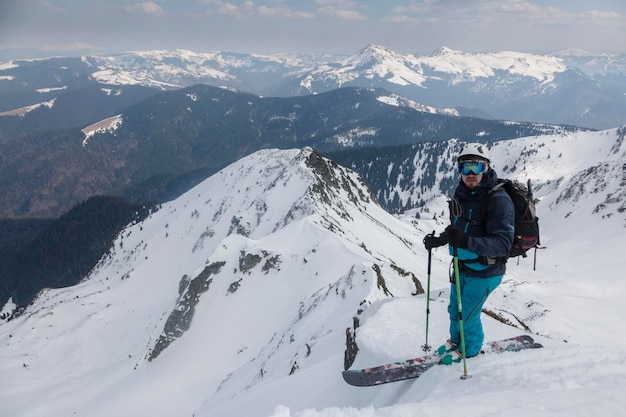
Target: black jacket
{"points": [[489, 228]]}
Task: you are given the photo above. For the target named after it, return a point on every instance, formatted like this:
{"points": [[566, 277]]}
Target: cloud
{"points": [[248, 8], [341, 9], [598, 15], [228, 8], [342, 13], [47, 5], [146, 7], [283, 12], [400, 18], [503, 11], [67, 47], [53, 47]]}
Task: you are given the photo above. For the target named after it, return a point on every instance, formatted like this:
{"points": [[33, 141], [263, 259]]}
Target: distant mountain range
{"points": [[155, 149], [573, 88]]}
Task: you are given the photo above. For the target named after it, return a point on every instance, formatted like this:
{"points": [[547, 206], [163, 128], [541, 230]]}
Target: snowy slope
{"points": [[571, 303], [251, 279], [286, 245]]}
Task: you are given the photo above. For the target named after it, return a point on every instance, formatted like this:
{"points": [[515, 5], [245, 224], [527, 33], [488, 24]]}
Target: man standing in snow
{"points": [[482, 239]]}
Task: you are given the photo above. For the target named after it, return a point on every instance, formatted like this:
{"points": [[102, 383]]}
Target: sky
{"points": [[38, 28]]}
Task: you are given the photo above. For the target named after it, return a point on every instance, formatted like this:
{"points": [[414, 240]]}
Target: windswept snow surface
{"points": [[268, 339]]}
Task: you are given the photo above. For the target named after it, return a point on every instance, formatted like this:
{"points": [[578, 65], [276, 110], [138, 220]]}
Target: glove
{"points": [[431, 241], [456, 238]]}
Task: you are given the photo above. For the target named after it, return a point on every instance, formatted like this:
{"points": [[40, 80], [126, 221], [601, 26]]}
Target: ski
{"points": [[413, 368]]}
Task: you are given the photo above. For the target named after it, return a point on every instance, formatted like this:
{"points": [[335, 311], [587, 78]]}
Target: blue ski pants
{"points": [[474, 293]]}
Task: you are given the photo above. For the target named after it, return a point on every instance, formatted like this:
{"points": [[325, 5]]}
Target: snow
{"points": [[23, 110], [476, 65], [8, 309], [354, 136], [179, 68], [111, 91], [404, 70], [7, 65], [396, 100], [51, 89], [174, 69], [110, 125], [268, 339]]}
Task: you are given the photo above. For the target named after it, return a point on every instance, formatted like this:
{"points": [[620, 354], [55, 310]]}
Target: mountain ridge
{"points": [[44, 173], [445, 78], [265, 200]]}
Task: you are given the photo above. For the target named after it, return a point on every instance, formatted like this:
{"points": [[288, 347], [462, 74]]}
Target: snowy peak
{"points": [[374, 62], [335, 182], [181, 68], [270, 189], [375, 54], [444, 52], [541, 67], [251, 276], [374, 65], [161, 69], [174, 69]]}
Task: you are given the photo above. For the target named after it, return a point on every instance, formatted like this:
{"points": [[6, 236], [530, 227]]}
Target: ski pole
{"points": [[455, 211], [460, 311], [426, 347]]}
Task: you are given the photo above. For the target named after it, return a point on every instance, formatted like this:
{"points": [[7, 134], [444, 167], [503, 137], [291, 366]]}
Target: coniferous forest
{"points": [[58, 253]]}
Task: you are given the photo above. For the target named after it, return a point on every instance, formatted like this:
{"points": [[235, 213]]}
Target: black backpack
{"points": [[526, 235]]}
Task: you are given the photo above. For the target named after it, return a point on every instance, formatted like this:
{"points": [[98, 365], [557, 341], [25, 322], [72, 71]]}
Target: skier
{"points": [[481, 239]]}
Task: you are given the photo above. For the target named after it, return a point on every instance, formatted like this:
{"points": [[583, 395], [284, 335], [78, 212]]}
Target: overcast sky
{"points": [[35, 28]]}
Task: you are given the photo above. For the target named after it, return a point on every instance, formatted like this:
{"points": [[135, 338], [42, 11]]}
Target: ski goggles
{"points": [[472, 167]]}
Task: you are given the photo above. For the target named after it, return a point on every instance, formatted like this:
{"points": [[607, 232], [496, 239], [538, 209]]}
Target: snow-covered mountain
{"points": [[381, 65], [407, 177], [573, 88], [241, 296]]}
